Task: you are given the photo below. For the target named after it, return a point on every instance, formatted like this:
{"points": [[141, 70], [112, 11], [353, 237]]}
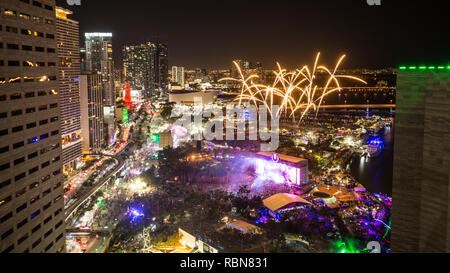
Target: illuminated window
{"points": [[25, 16], [35, 214], [10, 12], [5, 201], [16, 96], [39, 34], [26, 32], [45, 178], [34, 199]]}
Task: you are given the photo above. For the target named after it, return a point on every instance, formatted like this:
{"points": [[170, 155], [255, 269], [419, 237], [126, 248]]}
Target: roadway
{"points": [[80, 201], [82, 232]]}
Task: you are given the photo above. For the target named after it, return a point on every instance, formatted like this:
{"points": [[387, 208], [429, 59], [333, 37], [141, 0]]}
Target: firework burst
{"points": [[297, 90]]}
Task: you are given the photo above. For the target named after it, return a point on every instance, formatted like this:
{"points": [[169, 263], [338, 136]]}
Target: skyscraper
{"points": [[31, 178], [99, 58], [140, 66], [119, 82], [146, 67], [67, 36], [178, 75], [91, 90], [163, 66], [421, 185]]}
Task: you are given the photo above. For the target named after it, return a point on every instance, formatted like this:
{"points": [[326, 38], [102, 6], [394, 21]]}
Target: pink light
{"points": [[279, 173]]}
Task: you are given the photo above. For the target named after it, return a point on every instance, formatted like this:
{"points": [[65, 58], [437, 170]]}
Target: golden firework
{"points": [[296, 90]]}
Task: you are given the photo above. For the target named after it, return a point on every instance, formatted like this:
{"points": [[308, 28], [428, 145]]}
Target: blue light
{"points": [[135, 213]]}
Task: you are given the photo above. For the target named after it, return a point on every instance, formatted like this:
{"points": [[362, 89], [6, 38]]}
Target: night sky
{"points": [[210, 34]]}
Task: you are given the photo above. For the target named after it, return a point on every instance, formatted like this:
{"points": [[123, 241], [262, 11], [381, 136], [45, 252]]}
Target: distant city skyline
{"points": [[203, 35]]}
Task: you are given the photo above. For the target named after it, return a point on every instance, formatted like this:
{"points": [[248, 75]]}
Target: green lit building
{"points": [[421, 182]]}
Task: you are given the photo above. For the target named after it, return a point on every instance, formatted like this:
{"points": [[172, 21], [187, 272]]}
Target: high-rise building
{"points": [[163, 66], [67, 37], [99, 58], [146, 67], [83, 59], [421, 184], [119, 82], [178, 75], [140, 66], [91, 90], [31, 177]]}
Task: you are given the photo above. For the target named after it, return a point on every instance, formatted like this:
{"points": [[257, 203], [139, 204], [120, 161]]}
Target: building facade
{"points": [[119, 83], [67, 37], [421, 183], [146, 67], [140, 66], [31, 178], [91, 89], [163, 67], [99, 58], [178, 75]]}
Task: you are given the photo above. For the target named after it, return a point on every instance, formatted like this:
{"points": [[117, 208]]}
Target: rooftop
{"points": [[242, 224], [282, 157], [281, 200]]}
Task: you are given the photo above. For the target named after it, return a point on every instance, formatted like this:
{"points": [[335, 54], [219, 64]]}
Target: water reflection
{"points": [[376, 173]]}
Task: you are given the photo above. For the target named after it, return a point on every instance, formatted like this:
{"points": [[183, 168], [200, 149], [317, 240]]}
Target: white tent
{"points": [[281, 200]]}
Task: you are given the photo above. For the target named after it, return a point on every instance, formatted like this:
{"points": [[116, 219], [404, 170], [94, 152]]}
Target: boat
{"points": [[375, 146]]}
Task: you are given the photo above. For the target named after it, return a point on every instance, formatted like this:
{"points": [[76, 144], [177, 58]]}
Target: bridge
{"points": [[356, 106], [351, 89]]}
